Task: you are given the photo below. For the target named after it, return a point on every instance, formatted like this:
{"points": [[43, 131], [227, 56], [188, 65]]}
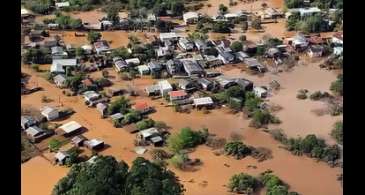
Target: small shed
{"points": [[143, 70], [186, 85], [91, 96], [78, 140], [70, 128], [260, 92], [152, 90], [50, 113], [102, 108], [27, 121], [35, 134], [205, 84], [165, 87], [142, 107], [94, 144], [116, 116], [60, 80], [225, 82], [204, 101], [152, 135], [60, 157]]}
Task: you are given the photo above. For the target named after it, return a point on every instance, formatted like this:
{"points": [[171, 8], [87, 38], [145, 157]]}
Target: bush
{"points": [[145, 124], [120, 105], [179, 160], [186, 138], [159, 154], [54, 145], [337, 86], [262, 117], [236, 46], [252, 102], [237, 149], [337, 132], [160, 125], [132, 117], [242, 183], [221, 27], [319, 95], [302, 94], [93, 36]]}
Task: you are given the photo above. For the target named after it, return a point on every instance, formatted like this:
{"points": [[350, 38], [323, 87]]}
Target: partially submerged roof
{"points": [[148, 132], [141, 105], [170, 35], [46, 110], [59, 78], [116, 116], [61, 155], [34, 130], [70, 127], [190, 15], [203, 101], [164, 84], [94, 142], [178, 93]]}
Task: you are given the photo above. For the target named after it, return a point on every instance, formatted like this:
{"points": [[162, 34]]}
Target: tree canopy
{"points": [[107, 176]]}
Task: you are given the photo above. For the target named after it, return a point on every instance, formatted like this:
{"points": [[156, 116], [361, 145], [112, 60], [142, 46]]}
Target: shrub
{"points": [[236, 46], [160, 125], [262, 117], [132, 117], [93, 36], [237, 149], [337, 86], [159, 154], [242, 183], [302, 94], [319, 95], [252, 102], [54, 145], [145, 124], [179, 160], [186, 138], [120, 105], [337, 132]]}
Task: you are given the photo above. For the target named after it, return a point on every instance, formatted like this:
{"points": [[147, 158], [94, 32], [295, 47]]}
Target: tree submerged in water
{"points": [[107, 176]]}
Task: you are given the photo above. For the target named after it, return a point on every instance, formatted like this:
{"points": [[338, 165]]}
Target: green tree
{"points": [[54, 145], [278, 190], [293, 3], [93, 36], [132, 117], [337, 86], [145, 124], [179, 160], [242, 183], [73, 82], [252, 102], [113, 14], [221, 27], [79, 52], [223, 9], [337, 132], [121, 105], [256, 23], [237, 149], [236, 46]]}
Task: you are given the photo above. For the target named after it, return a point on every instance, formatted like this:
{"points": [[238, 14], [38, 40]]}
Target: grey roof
{"points": [[101, 106], [203, 101], [61, 155], [183, 83], [34, 130], [316, 48], [94, 142], [241, 54], [200, 44], [152, 88], [156, 139], [58, 64], [186, 44], [252, 62], [148, 132], [59, 78], [192, 67], [226, 55], [91, 95], [78, 139], [244, 83], [56, 50], [101, 46], [153, 65], [47, 110], [116, 116], [223, 81], [203, 81], [28, 120]]}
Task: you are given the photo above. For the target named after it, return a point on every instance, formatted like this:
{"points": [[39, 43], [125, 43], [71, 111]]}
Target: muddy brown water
{"points": [[303, 174]]}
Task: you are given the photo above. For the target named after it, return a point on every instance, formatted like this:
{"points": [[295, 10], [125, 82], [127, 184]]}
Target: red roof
{"points": [[140, 106], [315, 40], [338, 35], [177, 93], [87, 82]]}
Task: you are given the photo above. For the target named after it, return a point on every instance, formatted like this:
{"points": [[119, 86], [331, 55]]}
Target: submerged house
{"points": [[60, 157], [50, 113], [185, 45], [203, 102], [119, 64], [27, 121], [187, 85], [36, 134], [143, 70], [101, 47], [164, 87], [254, 64], [226, 57], [70, 128], [142, 107], [179, 97], [58, 53], [315, 51], [94, 144], [154, 66], [205, 84], [174, 66], [191, 17], [191, 67], [60, 80], [151, 135], [225, 82], [59, 65]]}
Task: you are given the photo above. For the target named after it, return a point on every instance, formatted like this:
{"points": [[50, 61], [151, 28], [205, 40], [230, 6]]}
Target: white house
{"points": [[185, 44], [70, 127], [134, 61], [165, 87], [315, 51], [60, 80], [303, 12], [50, 113], [91, 96], [171, 36], [260, 92], [226, 57], [101, 47], [143, 69], [58, 53], [338, 51], [87, 49], [190, 17], [62, 4], [58, 65]]}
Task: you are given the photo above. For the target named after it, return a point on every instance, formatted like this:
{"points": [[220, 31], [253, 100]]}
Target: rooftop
{"points": [[70, 127], [140, 105], [178, 93]]}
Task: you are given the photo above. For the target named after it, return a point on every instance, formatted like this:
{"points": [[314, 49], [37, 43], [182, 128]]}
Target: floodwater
{"points": [[38, 176], [246, 5], [297, 115], [303, 174]]}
